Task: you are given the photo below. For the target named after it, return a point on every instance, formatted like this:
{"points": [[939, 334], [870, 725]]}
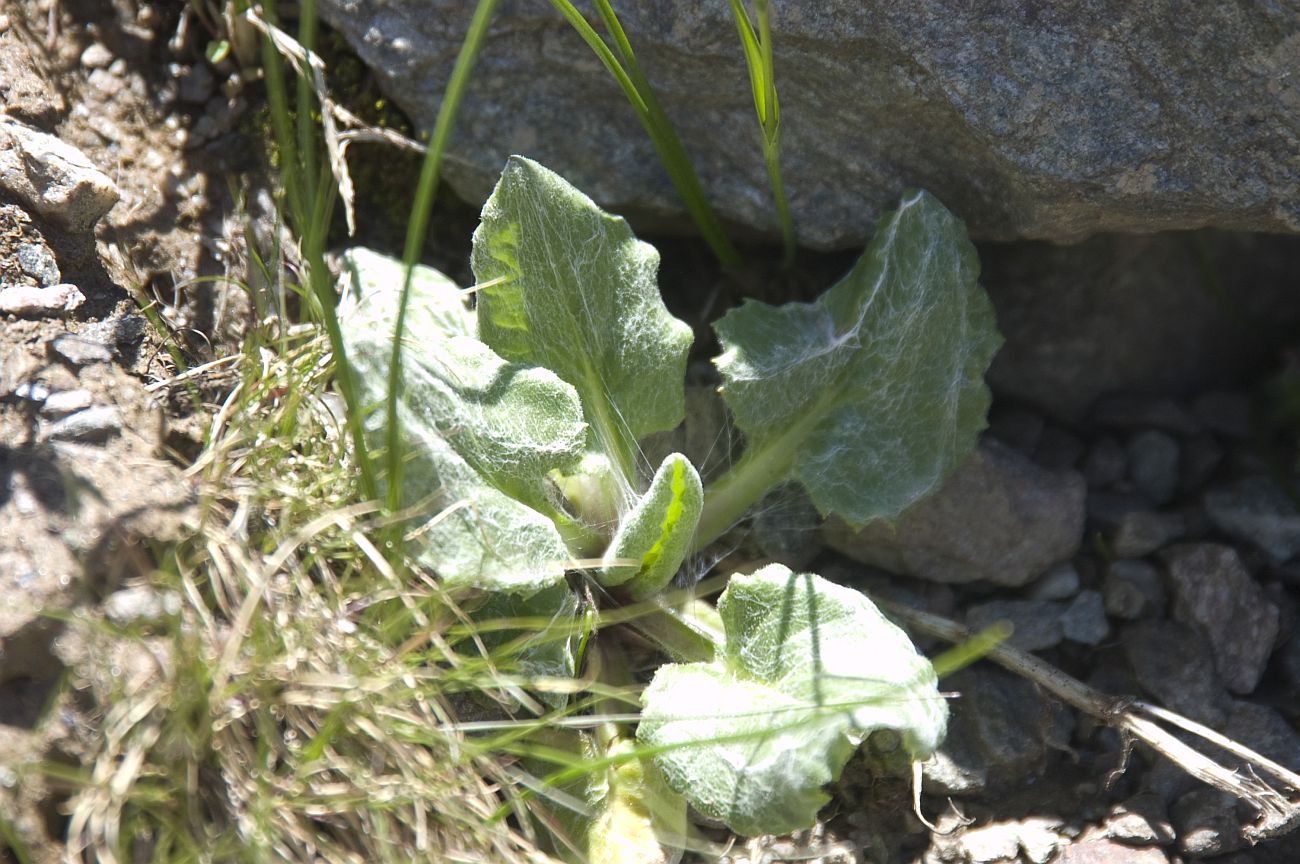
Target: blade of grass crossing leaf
{"points": [[415, 230], [667, 145]]}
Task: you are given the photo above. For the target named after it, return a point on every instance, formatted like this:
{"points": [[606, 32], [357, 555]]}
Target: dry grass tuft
{"points": [[297, 705]]}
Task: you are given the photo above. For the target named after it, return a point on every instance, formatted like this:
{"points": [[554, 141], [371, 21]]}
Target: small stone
{"points": [[1215, 594], [37, 262], [40, 302], [1125, 411], [1059, 583], [96, 56], [1110, 852], [1206, 822], [1141, 532], [55, 179], [1039, 839], [140, 605], [1140, 821], [1133, 589], [117, 331], [1106, 463], [1172, 663], [1084, 620], [1036, 623], [1153, 458], [999, 518], [998, 843], [1225, 412], [66, 402], [79, 351], [997, 733], [32, 391], [92, 424], [1255, 510]]}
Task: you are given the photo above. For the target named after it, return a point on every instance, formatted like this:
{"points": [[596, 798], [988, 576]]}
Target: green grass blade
{"points": [[310, 208], [667, 145], [757, 47], [416, 227]]}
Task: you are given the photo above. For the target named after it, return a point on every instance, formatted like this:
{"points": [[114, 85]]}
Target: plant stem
{"points": [[415, 230], [763, 467]]}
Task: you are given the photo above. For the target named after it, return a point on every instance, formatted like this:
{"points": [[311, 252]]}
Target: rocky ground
{"points": [[1148, 544]]}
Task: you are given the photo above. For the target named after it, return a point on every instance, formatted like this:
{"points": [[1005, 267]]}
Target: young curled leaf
{"points": [[657, 533]]}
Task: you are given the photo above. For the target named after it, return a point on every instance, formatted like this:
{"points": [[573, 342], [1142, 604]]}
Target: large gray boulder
{"points": [[1030, 120]]}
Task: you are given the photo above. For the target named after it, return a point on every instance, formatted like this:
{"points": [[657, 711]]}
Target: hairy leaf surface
{"points": [[872, 394], [808, 669], [481, 433], [568, 287]]}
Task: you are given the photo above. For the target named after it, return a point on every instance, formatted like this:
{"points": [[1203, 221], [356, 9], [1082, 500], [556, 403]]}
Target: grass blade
{"points": [[416, 227]]}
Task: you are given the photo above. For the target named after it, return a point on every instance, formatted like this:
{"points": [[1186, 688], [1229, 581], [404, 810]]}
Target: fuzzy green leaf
{"points": [[568, 287], [481, 433], [874, 393], [657, 532], [809, 668]]}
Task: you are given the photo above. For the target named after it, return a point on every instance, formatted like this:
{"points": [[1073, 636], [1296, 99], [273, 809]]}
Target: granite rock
{"points": [[52, 178], [1215, 594], [1049, 122]]}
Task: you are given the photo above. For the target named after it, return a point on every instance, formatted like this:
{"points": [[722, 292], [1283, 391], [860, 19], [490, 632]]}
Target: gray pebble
{"points": [[32, 391], [1172, 663], [1206, 822], [1141, 821], [1106, 463], [1133, 589], [1036, 623], [120, 330], [96, 56], [92, 424], [1141, 532], [80, 351], [1215, 594], [1254, 509], [1153, 458], [997, 733], [37, 262], [1084, 620], [66, 402], [1059, 583]]}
